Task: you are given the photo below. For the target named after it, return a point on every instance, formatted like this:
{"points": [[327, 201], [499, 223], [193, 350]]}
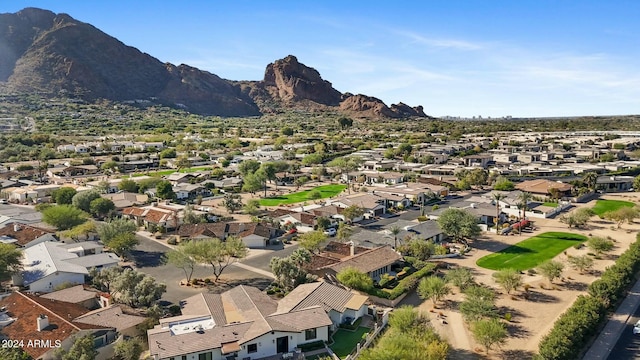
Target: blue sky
{"points": [[458, 58]]}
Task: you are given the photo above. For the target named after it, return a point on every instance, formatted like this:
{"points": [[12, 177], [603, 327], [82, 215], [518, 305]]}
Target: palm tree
{"points": [[524, 199], [395, 230], [497, 197], [590, 178]]}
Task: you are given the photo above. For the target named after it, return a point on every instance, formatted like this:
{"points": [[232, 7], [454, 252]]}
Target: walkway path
{"points": [[609, 336], [254, 269]]}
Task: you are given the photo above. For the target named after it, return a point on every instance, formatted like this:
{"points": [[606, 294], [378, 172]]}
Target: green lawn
{"points": [[603, 206], [531, 252], [344, 341], [325, 190], [550, 204], [171, 171]]}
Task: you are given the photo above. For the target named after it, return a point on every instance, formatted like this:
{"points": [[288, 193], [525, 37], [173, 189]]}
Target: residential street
{"points": [[148, 254]]}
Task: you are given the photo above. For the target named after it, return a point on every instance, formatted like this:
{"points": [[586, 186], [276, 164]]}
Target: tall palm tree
{"points": [[395, 230], [524, 199], [497, 197], [591, 179]]}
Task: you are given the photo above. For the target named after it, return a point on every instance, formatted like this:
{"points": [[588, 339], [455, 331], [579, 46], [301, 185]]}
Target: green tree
{"points": [[345, 122], [581, 263], [323, 222], [300, 257], [577, 218], [551, 269], [216, 253], [232, 202], [312, 159], [182, 162], [355, 279], [83, 348], [523, 203], [636, 183], [110, 230], [288, 273], [312, 240], [503, 184], [63, 195], [129, 349], [352, 212], [10, 261], [169, 153], [248, 167], [190, 217], [590, 178], [344, 232], [314, 195], [179, 258], [164, 190], [481, 294], [628, 214], [459, 224], [600, 245], [64, 217], [508, 279], [252, 207], [460, 277], [287, 131], [489, 333], [122, 244], [497, 197], [84, 229], [434, 288], [101, 207], [128, 185], [109, 165], [346, 165], [83, 199], [136, 289], [14, 353]]}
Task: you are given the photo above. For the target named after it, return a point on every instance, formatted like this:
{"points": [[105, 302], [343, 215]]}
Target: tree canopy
{"points": [[216, 253], [83, 199], [64, 217], [459, 224]]}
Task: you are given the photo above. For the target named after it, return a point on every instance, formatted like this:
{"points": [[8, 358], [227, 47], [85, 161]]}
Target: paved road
{"points": [[616, 340], [147, 256], [262, 261], [628, 346]]}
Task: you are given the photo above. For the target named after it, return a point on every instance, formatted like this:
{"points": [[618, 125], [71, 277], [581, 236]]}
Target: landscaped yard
{"points": [[344, 341], [604, 206], [301, 196], [550, 204], [531, 252]]}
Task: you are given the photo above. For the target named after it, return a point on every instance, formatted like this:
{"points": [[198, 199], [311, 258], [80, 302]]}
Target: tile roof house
{"points": [[24, 235], [340, 304], [241, 323], [253, 235], [126, 199], [374, 262], [543, 187], [49, 264], [54, 323]]}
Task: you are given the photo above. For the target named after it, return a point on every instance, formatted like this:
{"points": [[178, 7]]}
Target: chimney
{"points": [[16, 227], [43, 322]]}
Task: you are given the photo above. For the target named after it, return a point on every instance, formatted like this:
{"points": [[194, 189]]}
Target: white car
{"points": [[331, 232], [636, 328]]}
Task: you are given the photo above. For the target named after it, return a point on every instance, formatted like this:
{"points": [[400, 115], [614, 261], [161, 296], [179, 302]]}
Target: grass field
{"points": [[604, 206], [325, 190], [345, 341], [531, 252], [550, 204], [171, 171]]}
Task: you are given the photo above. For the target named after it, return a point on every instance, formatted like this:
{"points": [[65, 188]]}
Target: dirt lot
{"points": [[534, 317]]}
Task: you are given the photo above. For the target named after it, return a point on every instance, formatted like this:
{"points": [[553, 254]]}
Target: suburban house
{"points": [[334, 258], [342, 306], [23, 235], [48, 264], [372, 204], [43, 325], [112, 184], [253, 235], [543, 187], [190, 191], [124, 199], [614, 183], [154, 215], [303, 221], [29, 193], [78, 295], [241, 323]]}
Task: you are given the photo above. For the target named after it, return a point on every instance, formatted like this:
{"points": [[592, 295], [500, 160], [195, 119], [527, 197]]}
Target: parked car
{"points": [[636, 328], [330, 232], [3, 201]]}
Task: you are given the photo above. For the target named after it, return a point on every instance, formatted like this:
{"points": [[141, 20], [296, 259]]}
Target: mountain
{"points": [[54, 54]]}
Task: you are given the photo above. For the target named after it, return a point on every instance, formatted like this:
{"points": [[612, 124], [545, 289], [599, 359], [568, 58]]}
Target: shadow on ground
{"points": [[147, 258]]}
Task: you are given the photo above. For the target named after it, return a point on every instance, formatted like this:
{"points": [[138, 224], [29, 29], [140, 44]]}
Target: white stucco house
{"points": [[49, 264], [242, 323]]}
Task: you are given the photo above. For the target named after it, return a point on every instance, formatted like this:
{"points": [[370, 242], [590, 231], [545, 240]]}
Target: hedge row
{"points": [[406, 284], [580, 322]]}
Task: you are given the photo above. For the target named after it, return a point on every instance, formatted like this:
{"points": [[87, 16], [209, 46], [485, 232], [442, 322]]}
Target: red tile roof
{"points": [[27, 308], [24, 233]]}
